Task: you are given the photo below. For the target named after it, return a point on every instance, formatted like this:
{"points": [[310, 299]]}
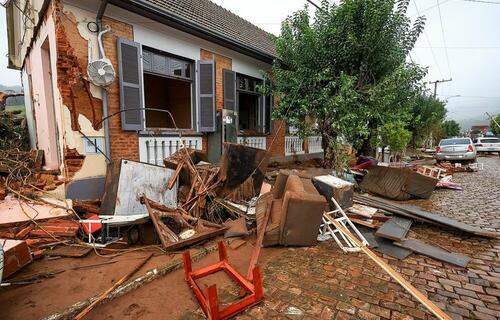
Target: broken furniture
{"points": [[395, 275], [328, 229], [417, 214], [296, 210], [126, 180], [398, 183], [332, 187], [208, 300], [16, 255], [191, 229]]}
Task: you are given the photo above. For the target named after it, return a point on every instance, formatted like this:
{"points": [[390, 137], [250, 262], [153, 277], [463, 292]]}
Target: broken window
{"points": [[168, 85]]}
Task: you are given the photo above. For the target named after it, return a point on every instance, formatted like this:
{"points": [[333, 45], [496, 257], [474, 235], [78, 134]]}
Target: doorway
{"points": [[52, 152]]}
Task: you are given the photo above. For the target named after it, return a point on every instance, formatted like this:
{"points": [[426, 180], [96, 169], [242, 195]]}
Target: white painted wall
{"points": [[156, 35]]}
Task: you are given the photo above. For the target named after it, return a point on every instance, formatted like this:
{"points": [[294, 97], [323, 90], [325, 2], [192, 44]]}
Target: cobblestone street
{"points": [[323, 283]]}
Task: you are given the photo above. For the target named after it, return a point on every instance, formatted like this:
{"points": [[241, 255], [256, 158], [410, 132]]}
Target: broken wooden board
{"points": [[239, 163], [386, 246], [127, 179], [435, 252], [398, 183], [416, 213], [362, 210], [394, 229]]}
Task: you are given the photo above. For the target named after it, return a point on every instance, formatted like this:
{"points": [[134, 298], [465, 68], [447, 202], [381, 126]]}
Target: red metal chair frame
{"points": [[209, 301]]}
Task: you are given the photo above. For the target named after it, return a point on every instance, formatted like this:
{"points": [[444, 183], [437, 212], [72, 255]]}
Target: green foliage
{"points": [[451, 128], [428, 114], [347, 69], [13, 131], [494, 127], [394, 135]]}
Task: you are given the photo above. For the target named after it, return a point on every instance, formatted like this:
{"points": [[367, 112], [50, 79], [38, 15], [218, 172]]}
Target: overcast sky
{"points": [[471, 33]]}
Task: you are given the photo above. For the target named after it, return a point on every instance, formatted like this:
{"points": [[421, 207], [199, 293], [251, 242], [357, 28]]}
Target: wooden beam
{"points": [[393, 273], [91, 306]]}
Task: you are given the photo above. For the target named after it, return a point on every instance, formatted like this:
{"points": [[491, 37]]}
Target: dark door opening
{"points": [[248, 113], [167, 94]]}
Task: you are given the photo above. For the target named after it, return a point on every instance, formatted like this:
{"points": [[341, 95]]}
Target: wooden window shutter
{"points": [[206, 101], [229, 90], [268, 111], [131, 88]]}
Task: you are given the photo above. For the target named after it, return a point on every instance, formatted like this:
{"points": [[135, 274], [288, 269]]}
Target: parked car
{"points": [[487, 144], [456, 149]]}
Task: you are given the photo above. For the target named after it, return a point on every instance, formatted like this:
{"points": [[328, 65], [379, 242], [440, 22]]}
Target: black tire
{"points": [[133, 235]]}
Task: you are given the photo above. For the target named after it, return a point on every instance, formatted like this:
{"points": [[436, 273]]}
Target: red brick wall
{"points": [[221, 62], [123, 144], [71, 68]]}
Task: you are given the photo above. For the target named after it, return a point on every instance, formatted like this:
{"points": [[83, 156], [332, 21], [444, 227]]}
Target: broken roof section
{"points": [[205, 18]]}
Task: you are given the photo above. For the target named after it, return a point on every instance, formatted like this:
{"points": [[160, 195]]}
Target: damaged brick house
{"points": [[190, 59]]}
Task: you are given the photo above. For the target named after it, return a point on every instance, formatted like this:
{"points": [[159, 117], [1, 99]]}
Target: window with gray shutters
{"points": [[229, 90], [206, 89], [130, 81]]}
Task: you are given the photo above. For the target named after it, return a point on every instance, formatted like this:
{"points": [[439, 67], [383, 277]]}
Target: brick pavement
{"points": [[323, 283]]}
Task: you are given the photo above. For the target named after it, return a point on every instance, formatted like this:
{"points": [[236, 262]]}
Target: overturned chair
{"points": [[295, 214]]}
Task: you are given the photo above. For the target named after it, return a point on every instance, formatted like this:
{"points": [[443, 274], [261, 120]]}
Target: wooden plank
{"points": [[91, 306], [156, 222], [435, 252], [394, 229], [387, 247], [172, 180], [416, 213], [395, 275], [361, 222]]}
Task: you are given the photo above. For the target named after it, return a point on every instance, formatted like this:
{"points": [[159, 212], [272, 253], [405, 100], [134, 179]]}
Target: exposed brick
{"points": [[362, 314], [383, 312]]}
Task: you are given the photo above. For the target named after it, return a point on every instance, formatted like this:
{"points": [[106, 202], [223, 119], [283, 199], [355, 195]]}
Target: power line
{"points": [[457, 48], [314, 4], [429, 8], [444, 38], [483, 1], [429, 42]]}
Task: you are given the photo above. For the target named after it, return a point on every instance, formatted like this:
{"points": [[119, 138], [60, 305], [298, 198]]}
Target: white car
{"points": [[456, 149], [487, 144]]}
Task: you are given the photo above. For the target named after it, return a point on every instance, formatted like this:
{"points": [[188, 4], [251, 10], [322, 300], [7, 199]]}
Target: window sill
{"points": [[169, 132]]}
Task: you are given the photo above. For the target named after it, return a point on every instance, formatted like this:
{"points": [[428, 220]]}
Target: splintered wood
{"points": [[196, 228]]}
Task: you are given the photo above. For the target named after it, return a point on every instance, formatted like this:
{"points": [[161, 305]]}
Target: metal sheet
{"points": [[395, 228], [131, 179], [387, 247], [398, 183], [435, 252]]}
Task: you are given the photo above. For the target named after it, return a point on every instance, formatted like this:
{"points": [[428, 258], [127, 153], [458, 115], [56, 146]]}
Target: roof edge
{"points": [[158, 14]]}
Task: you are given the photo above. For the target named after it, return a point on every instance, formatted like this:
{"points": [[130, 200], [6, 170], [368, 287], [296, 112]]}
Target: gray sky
{"points": [[471, 34]]}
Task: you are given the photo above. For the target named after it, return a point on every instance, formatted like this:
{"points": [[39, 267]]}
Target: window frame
{"points": [[192, 80]]}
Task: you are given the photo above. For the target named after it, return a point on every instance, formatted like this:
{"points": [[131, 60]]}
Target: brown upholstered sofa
{"points": [[296, 211]]}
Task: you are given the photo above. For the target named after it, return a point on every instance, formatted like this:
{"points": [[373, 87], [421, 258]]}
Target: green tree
{"points": [[395, 136], [427, 116], [451, 128], [494, 127], [347, 69]]}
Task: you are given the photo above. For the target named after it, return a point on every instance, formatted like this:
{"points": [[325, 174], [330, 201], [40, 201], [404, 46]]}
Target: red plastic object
{"points": [[209, 300], [470, 148], [93, 226]]}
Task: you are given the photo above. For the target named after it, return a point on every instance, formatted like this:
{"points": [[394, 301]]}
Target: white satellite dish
{"points": [[101, 71]]}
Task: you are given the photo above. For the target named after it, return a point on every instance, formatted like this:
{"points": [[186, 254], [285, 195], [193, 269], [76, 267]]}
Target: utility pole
{"points": [[493, 119], [436, 84]]}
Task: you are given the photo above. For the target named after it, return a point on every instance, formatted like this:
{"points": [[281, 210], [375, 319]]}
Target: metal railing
{"points": [[154, 150]]}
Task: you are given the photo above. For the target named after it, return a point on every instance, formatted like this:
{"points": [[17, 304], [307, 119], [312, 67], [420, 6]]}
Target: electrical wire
{"points": [[444, 40], [428, 41]]}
